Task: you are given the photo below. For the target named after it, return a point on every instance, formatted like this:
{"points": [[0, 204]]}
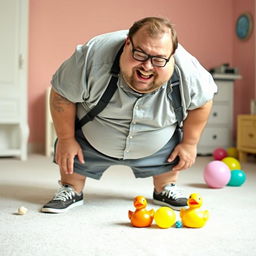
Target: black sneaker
{"points": [[170, 196], [65, 199]]}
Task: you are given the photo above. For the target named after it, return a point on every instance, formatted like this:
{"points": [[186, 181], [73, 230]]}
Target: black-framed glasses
{"points": [[156, 61]]}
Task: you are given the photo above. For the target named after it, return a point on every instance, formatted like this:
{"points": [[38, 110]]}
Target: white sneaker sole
{"points": [[176, 208], [53, 210]]}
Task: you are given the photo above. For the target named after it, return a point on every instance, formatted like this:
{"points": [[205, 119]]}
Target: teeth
{"points": [[145, 73], [144, 76]]}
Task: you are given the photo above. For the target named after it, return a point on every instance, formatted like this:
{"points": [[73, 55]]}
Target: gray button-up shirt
{"points": [[132, 125]]}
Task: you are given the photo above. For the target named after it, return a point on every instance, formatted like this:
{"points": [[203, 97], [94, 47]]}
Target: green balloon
{"points": [[237, 178]]}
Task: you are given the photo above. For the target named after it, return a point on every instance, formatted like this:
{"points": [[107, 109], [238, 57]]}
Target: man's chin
{"points": [[140, 87], [143, 88]]}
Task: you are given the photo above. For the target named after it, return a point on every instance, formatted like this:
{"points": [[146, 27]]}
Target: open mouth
{"points": [[144, 75]]}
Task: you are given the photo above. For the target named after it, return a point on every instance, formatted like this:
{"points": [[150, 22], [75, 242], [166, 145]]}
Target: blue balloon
{"points": [[237, 178]]}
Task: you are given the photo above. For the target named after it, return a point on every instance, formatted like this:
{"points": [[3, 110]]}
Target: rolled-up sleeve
{"points": [[70, 80], [198, 84]]}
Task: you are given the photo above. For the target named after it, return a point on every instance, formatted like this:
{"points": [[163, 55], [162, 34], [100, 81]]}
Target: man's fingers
{"points": [[63, 164], [172, 156], [70, 164], [80, 156]]}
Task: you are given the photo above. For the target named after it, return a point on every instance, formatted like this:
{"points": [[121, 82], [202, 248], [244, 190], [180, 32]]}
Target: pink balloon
{"points": [[216, 174], [219, 153]]}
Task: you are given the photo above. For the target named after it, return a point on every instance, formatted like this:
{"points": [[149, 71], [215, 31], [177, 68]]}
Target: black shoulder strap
{"points": [[175, 97], [106, 96]]}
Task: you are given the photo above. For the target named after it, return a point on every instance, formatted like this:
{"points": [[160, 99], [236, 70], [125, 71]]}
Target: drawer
{"points": [[248, 123], [225, 92], [220, 114], [9, 110], [248, 136], [217, 137]]}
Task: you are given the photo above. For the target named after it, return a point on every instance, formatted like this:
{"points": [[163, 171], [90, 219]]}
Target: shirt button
{"points": [[130, 137]]}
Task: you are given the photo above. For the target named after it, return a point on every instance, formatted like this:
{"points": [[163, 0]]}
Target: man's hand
{"points": [[66, 151], [187, 154], [63, 115], [192, 128]]}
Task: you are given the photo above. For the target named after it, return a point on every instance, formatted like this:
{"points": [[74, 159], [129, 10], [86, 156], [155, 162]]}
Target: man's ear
{"points": [[127, 41]]}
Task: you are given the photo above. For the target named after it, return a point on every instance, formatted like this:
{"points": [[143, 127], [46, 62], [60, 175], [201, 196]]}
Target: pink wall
{"points": [[205, 28], [244, 59]]}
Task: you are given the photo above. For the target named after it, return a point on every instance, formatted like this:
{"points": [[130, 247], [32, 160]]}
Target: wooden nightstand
{"points": [[246, 135]]}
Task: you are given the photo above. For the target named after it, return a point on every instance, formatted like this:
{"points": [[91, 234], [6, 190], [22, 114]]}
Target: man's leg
{"points": [[161, 180], [69, 195], [166, 192], [75, 180]]}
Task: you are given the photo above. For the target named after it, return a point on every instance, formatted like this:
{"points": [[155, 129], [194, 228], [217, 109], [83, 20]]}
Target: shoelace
{"points": [[172, 191], [64, 193]]}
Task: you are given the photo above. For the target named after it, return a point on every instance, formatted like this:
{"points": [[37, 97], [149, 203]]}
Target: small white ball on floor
{"points": [[22, 210]]}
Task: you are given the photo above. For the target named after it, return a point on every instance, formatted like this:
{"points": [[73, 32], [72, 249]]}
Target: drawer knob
{"points": [[251, 135], [215, 114], [214, 136]]}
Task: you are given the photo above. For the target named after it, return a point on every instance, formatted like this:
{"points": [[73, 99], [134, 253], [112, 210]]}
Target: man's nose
{"points": [[148, 64]]}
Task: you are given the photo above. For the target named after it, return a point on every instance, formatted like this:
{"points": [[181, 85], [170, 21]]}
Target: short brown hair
{"points": [[156, 25]]}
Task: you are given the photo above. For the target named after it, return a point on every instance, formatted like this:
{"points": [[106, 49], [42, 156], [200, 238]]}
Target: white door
{"points": [[13, 78]]}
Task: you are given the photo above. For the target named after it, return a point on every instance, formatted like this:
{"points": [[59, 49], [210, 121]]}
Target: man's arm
{"points": [[192, 130], [63, 114]]}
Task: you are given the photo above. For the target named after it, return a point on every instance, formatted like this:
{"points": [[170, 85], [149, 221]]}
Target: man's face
{"points": [[144, 76]]}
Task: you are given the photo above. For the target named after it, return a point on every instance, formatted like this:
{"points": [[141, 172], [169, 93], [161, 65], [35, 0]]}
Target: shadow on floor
{"points": [[40, 195]]}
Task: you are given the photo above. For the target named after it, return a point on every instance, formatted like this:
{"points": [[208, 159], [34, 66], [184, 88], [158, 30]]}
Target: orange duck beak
{"points": [[140, 202]]}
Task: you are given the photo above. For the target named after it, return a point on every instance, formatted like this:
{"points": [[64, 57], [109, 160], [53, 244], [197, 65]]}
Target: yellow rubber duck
{"points": [[194, 217], [141, 217]]}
